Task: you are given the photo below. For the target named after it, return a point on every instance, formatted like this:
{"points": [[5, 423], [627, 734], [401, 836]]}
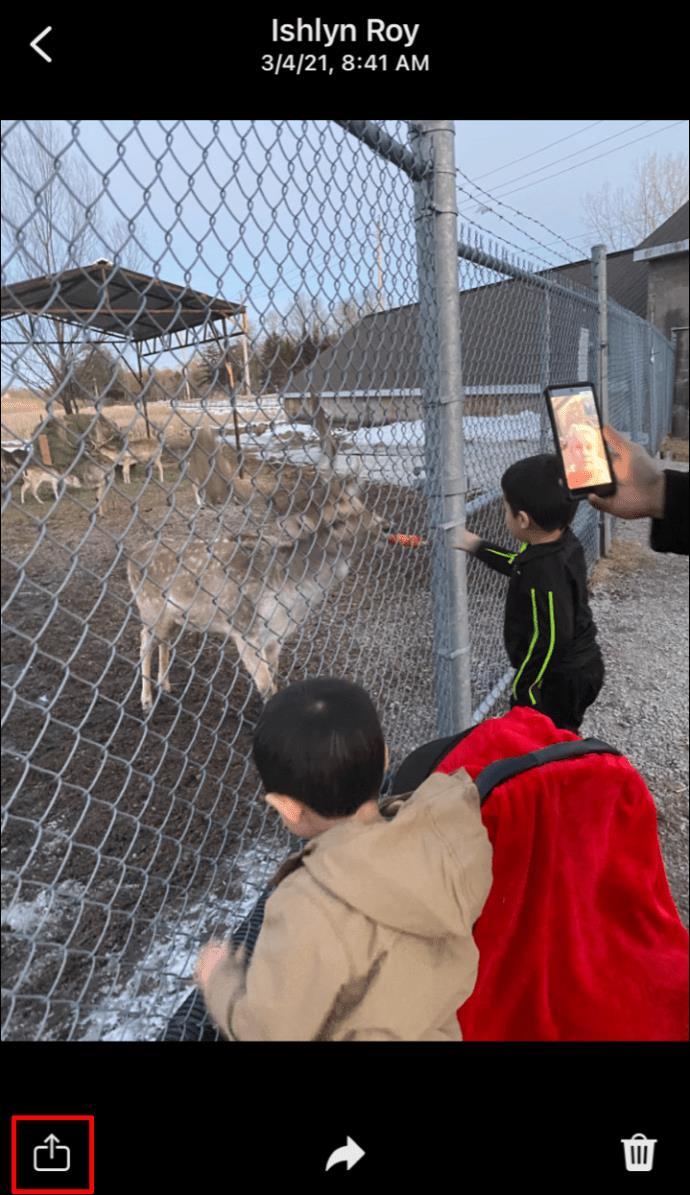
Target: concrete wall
{"points": [[667, 309]]}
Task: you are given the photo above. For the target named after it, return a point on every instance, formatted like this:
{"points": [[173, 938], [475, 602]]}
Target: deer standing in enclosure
{"points": [[36, 476], [102, 460], [135, 452], [256, 592]]}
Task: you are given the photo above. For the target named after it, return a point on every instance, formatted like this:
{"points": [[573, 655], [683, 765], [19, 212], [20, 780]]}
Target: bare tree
{"points": [[51, 222], [624, 217], [293, 339]]}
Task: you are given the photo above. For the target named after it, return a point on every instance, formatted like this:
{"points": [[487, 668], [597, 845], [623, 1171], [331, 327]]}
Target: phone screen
{"points": [[579, 434]]}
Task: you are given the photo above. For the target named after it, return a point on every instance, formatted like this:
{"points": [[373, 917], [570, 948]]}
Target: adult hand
{"points": [[640, 480]]}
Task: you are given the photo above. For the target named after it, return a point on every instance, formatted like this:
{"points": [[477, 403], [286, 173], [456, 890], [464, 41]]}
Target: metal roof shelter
{"points": [[127, 307]]}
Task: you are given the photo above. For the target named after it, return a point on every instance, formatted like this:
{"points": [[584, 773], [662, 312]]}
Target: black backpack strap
{"points": [[420, 763], [504, 769]]}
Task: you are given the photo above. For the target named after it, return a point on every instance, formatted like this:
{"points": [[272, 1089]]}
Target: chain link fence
{"points": [[230, 375], [521, 331]]}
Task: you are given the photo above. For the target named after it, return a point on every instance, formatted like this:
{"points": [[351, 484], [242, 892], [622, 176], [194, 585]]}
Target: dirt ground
{"points": [[119, 821]]}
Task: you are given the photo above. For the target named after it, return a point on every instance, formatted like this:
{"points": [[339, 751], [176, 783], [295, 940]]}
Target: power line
{"points": [[597, 156], [566, 157], [539, 151]]}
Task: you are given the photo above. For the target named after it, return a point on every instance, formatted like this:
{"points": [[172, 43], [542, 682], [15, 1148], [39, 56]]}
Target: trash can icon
{"points": [[639, 1151]]}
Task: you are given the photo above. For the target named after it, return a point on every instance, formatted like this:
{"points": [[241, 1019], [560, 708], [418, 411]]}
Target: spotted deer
{"points": [[256, 592], [36, 476], [212, 468], [134, 452]]}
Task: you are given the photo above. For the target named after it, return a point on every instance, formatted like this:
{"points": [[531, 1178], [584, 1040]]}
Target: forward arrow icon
{"points": [[350, 1154]]}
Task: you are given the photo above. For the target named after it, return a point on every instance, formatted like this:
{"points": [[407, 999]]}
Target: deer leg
{"points": [[25, 486], [164, 665], [161, 473], [271, 654], [126, 467], [257, 667], [146, 656], [55, 488], [100, 494]]}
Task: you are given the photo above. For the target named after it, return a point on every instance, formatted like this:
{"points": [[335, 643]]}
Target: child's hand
{"points": [[210, 956], [469, 542]]}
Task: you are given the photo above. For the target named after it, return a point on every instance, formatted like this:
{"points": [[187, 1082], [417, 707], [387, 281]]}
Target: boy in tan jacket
{"points": [[367, 935]]}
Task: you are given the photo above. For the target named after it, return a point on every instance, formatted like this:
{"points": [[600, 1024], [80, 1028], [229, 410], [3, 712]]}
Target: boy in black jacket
{"points": [[549, 631]]}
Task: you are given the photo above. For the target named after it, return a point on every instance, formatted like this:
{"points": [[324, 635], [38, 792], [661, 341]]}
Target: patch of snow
{"points": [[141, 1008], [26, 916]]}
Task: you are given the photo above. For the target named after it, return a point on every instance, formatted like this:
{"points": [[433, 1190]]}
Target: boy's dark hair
{"points": [[537, 486], [321, 742]]}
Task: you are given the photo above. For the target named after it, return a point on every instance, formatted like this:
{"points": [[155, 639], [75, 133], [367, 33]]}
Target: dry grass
{"points": [[172, 427]]}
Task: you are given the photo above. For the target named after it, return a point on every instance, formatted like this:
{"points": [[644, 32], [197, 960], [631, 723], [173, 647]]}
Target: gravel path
{"points": [[640, 606]]}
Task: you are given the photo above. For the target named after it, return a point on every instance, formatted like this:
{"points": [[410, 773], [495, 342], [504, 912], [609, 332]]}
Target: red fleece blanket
{"points": [[580, 939]]}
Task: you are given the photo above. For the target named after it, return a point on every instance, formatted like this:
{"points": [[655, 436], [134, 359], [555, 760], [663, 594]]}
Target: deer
{"points": [[212, 468], [215, 469], [103, 458], [96, 474], [36, 476], [12, 461], [246, 588], [134, 452]]}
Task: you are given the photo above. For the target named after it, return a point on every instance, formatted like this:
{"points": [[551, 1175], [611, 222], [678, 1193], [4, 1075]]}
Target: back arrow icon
{"points": [[350, 1153], [35, 46]]}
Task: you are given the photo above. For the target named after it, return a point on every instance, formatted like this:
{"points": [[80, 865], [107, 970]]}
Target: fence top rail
{"points": [[501, 266], [385, 146]]}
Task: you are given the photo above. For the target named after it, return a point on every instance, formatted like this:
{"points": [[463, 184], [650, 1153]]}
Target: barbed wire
{"points": [[524, 232]]}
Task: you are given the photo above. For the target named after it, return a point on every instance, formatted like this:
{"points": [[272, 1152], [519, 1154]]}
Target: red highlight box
{"points": [[52, 1190]]}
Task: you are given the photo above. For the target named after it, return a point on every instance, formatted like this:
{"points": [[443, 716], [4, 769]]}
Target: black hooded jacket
{"points": [[548, 624]]}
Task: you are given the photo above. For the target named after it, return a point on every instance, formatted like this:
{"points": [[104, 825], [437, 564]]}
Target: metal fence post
{"points": [[439, 316], [599, 283], [546, 441]]}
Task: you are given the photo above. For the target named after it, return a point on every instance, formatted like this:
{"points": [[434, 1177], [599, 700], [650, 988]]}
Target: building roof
{"points": [[118, 302], [504, 349], [672, 230], [503, 345]]}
